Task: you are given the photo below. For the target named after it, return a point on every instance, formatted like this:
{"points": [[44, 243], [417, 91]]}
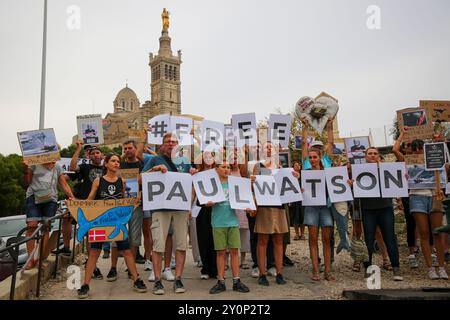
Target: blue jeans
{"points": [[384, 218], [41, 211]]}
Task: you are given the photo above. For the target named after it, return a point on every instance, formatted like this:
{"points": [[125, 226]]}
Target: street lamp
{"points": [[44, 51]]}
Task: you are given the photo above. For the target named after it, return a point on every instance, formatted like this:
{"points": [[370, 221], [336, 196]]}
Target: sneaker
{"points": [[434, 260], [97, 275], [139, 286], [139, 258], [262, 280], [112, 275], [442, 274], [105, 255], [218, 287], [239, 286], [412, 261], [432, 274], [151, 277], [83, 292], [178, 286], [272, 272], [255, 272], [168, 275], [148, 265], [397, 275], [158, 288], [279, 279], [204, 277]]}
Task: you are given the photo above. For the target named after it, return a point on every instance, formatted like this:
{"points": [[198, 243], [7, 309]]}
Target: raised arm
{"points": [[305, 139], [27, 174], [330, 137], [396, 148], [74, 162]]}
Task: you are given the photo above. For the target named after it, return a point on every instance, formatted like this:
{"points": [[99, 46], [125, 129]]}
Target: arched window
{"points": [[131, 105], [165, 72], [170, 72], [175, 73], [123, 105]]}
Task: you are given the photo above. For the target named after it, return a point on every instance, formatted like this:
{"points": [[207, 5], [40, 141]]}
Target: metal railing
{"points": [[13, 244]]}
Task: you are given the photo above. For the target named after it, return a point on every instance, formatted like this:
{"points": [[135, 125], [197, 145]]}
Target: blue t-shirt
{"points": [[222, 215], [181, 166], [147, 158], [326, 162]]}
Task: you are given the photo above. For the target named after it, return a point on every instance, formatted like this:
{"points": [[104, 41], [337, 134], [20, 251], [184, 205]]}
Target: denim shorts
{"points": [[318, 216], [41, 211], [121, 245], [420, 204]]}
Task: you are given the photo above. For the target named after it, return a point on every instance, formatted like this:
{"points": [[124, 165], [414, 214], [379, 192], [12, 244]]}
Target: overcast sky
{"points": [[238, 56]]}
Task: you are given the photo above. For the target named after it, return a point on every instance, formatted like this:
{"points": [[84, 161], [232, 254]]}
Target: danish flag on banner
{"points": [[97, 235]]}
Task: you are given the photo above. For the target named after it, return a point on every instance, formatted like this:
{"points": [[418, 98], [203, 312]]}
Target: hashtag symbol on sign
{"points": [[159, 129]]}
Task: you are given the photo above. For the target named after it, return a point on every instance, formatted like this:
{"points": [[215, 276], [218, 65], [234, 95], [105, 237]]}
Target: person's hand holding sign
{"points": [[209, 204], [161, 168]]}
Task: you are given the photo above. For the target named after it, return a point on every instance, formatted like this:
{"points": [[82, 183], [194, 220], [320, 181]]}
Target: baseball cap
{"points": [[317, 143]]}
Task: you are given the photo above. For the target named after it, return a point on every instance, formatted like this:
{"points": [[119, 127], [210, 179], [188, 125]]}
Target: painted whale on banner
{"points": [[115, 217]]}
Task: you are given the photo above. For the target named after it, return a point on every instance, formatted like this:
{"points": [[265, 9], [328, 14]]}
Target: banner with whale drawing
{"points": [[102, 220]]}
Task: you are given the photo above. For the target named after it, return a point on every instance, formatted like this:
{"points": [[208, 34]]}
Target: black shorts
{"points": [[121, 245]]}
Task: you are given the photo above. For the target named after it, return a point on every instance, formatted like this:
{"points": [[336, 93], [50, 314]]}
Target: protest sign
{"points": [[240, 193], [132, 181], [419, 178], [393, 180], [313, 184], [279, 129], [65, 163], [182, 128], [115, 129], [90, 129], [439, 110], [435, 156], [266, 191], [244, 125], [38, 146], [157, 127], [170, 190], [337, 184], [102, 220], [212, 135], [208, 187], [418, 121], [356, 149], [288, 185], [366, 184], [137, 135]]}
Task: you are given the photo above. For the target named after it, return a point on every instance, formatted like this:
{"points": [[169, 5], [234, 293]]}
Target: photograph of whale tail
{"points": [[115, 217]]}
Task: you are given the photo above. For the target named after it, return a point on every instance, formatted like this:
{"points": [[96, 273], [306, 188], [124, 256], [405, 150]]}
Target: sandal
{"points": [[315, 277], [356, 266], [387, 265], [329, 277]]}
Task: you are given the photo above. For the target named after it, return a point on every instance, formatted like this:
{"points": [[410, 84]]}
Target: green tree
{"points": [[12, 190]]}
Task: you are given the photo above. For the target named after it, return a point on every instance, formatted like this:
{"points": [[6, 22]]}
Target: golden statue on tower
{"points": [[165, 20]]}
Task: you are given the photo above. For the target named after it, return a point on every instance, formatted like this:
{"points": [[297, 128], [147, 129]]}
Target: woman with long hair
{"points": [[110, 186]]}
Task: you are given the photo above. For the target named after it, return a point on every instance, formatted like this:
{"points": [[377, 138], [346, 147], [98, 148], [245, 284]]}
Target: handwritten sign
{"points": [[102, 220], [418, 121], [439, 110], [38, 146], [115, 130]]}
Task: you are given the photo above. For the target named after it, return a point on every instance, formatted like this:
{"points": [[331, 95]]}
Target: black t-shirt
{"points": [[88, 173], [109, 190], [132, 165]]}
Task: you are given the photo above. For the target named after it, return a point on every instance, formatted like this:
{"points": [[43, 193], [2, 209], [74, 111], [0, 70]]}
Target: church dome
{"points": [[126, 100]]}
